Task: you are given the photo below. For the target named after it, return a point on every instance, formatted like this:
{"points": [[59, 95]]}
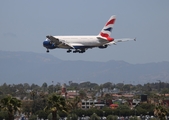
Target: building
{"points": [[64, 91], [87, 104]]}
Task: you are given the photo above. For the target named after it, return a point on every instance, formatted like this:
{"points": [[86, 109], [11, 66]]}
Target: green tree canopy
{"points": [[11, 105], [56, 103], [160, 112]]}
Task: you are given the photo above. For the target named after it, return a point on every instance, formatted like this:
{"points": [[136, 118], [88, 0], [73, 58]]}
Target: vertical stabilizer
{"points": [[106, 31]]}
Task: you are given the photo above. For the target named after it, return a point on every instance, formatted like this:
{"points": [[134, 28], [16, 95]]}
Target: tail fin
{"points": [[106, 31]]}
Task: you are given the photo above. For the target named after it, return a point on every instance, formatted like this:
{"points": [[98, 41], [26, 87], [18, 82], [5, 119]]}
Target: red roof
{"points": [[114, 105]]}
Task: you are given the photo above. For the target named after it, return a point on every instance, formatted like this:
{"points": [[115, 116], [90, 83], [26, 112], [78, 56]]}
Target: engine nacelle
{"points": [[103, 46]]}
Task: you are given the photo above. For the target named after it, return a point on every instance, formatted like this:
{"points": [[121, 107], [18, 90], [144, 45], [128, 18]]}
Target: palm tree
{"points": [[73, 102], [11, 105], [56, 103], [160, 112], [33, 94], [72, 105]]}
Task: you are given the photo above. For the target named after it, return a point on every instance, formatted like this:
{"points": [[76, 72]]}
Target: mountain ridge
{"points": [[29, 67]]}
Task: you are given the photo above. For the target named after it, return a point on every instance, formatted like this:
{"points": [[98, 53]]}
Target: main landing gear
{"points": [[69, 51], [76, 51], [47, 50]]}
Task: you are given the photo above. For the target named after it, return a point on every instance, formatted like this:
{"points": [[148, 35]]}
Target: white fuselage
{"points": [[81, 40]]}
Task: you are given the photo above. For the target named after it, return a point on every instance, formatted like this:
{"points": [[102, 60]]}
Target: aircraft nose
{"points": [[45, 43]]}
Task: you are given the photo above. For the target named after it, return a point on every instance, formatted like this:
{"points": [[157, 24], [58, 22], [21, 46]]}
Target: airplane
{"points": [[79, 44]]}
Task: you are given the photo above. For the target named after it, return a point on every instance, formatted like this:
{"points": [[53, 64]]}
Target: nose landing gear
{"points": [[69, 51], [47, 50]]}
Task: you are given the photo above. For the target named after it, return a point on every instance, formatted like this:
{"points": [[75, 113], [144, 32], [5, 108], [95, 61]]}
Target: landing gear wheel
{"points": [[69, 51], [47, 51]]}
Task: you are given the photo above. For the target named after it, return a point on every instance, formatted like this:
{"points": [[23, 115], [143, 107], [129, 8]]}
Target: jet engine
{"points": [[103, 46]]}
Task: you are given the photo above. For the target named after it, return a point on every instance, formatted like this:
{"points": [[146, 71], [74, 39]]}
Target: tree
{"points": [[160, 112], [33, 94], [82, 94], [3, 115], [134, 118], [94, 116], [56, 103], [44, 86], [108, 85], [73, 103], [26, 86], [165, 91], [27, 107], [81, 112], [107, 96], [42, 114], [38, 104], [11, 105], [123, 110], [111, 117], [35, 87], [126, 87], [120, 85], [72, 117], [33, 117], [143, 108]]}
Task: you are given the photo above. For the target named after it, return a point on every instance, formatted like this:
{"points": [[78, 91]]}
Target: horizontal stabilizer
{"points": [[121, 40]]}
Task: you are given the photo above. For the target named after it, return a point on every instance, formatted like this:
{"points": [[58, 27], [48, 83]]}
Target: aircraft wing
{"points": [[59, 43], [121, 40]]}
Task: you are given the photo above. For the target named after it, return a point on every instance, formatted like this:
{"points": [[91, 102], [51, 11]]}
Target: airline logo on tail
{"points": [[107, 29]]}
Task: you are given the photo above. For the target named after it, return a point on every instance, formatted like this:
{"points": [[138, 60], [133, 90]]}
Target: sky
{"points": [[25, 24]]}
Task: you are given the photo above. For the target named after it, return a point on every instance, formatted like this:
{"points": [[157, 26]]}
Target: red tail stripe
{"points": [[104, 35], [111, 22], [107, 36]]}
